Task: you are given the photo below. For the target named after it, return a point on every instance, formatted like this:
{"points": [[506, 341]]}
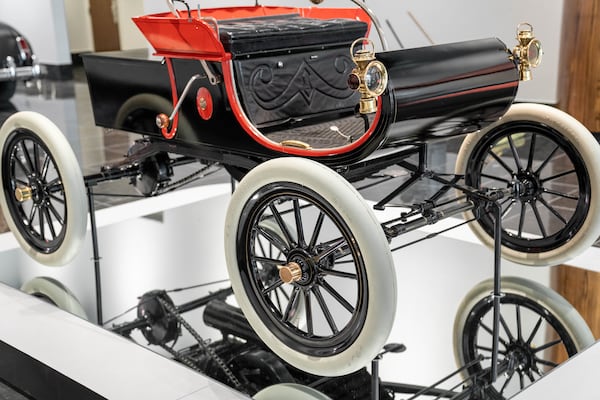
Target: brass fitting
{"points": [[369, 77], [528, 52], [291, 272], [162, 121], [23, 194]]}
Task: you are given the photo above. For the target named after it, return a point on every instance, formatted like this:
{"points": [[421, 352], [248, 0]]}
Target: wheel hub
{"points": [[299, 268], [527, 186], [291, 272], [521, 356], [22, 194], [38, 191]]}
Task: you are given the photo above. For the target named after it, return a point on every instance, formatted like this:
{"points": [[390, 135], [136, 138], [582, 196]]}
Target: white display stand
{"points": [[176, 240], [575, 379], [103, 362]]}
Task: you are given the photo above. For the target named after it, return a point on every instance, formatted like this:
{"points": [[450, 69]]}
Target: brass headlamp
{"points": [[528, 52], [369, 77]]}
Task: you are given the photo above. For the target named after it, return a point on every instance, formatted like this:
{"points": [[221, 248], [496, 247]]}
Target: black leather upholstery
{"points": [[263, 34], [290, 68]]}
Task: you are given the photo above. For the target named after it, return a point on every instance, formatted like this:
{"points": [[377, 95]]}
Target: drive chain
{"points": [[211, 353]]}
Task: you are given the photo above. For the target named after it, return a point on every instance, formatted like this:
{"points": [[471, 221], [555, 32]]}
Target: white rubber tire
{"points": [[566, 314], [290, 391], [72, 182], [56, 292], [374, 248], [586, 145]]}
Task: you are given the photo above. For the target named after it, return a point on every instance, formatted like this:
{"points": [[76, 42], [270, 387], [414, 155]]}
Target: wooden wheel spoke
{"points": [[339, 274], [49, 222], [546, 160], [56, 214], [309, 316], [501, 162], [325, 309], [27, 156], [317, 230], [560, 175], [495, 178], [534, 330], [518, 318], [560, 194], [281, 223], [539, 220], [531, 155], [548, 345], [267, 290], [336, 295], [299, 225], [522, 219], [292, 305], [332, 248], [515, 153], [506, 329], [552, 210]]}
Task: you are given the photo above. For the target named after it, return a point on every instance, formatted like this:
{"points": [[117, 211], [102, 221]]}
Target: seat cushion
{"points": [[284, 32]]}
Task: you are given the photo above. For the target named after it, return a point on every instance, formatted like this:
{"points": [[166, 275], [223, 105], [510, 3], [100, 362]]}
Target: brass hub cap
{"points": [[23, 194], [291, 272]]}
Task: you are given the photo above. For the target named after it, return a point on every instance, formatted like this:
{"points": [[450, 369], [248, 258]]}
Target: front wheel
{"points": [[538, 328], [550, 165], [43, 192], [330, 254]]}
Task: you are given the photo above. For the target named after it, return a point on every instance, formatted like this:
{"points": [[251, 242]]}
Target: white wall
{"points": [[79, 26], [451, 21], [130, 36], [43, 23], [444, 21]]}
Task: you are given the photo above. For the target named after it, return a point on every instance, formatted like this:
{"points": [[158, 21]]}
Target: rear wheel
{"points": [[55, 293], [44, 197], [7, 90], [290, 391], [551, 165], [538, 329], [328, 252]]}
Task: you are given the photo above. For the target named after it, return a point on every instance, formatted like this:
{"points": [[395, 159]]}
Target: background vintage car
{"points": [[17, 61]]}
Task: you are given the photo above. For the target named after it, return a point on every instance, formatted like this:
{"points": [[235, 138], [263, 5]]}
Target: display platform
{"points": [[575, 379], [52, 353]]}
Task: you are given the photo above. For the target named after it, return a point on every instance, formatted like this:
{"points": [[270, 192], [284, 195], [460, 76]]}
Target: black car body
{"points": [[17, 61]]}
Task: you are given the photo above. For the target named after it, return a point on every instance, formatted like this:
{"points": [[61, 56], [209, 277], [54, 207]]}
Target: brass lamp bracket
{"points": [[369, 77], [528, 52]]}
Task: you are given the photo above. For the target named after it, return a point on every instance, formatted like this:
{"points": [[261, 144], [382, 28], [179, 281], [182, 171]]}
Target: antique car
{"points": [[17, 61], [298, 106]]}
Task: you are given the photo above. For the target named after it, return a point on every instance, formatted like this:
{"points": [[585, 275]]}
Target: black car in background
{"points": [[17, 61]]}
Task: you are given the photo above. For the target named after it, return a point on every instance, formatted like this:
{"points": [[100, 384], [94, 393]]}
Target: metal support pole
{"points": [[96, 256], [496, 295], [375, 378]]}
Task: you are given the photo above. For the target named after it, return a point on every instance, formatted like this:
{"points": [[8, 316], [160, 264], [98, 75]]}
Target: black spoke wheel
{"points": [[538, 330], [312, 273], [549, 170], [43, 189]]}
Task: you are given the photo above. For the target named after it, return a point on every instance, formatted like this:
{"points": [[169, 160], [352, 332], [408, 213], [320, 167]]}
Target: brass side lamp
{"points": [[369, 77], [528, 52]]}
